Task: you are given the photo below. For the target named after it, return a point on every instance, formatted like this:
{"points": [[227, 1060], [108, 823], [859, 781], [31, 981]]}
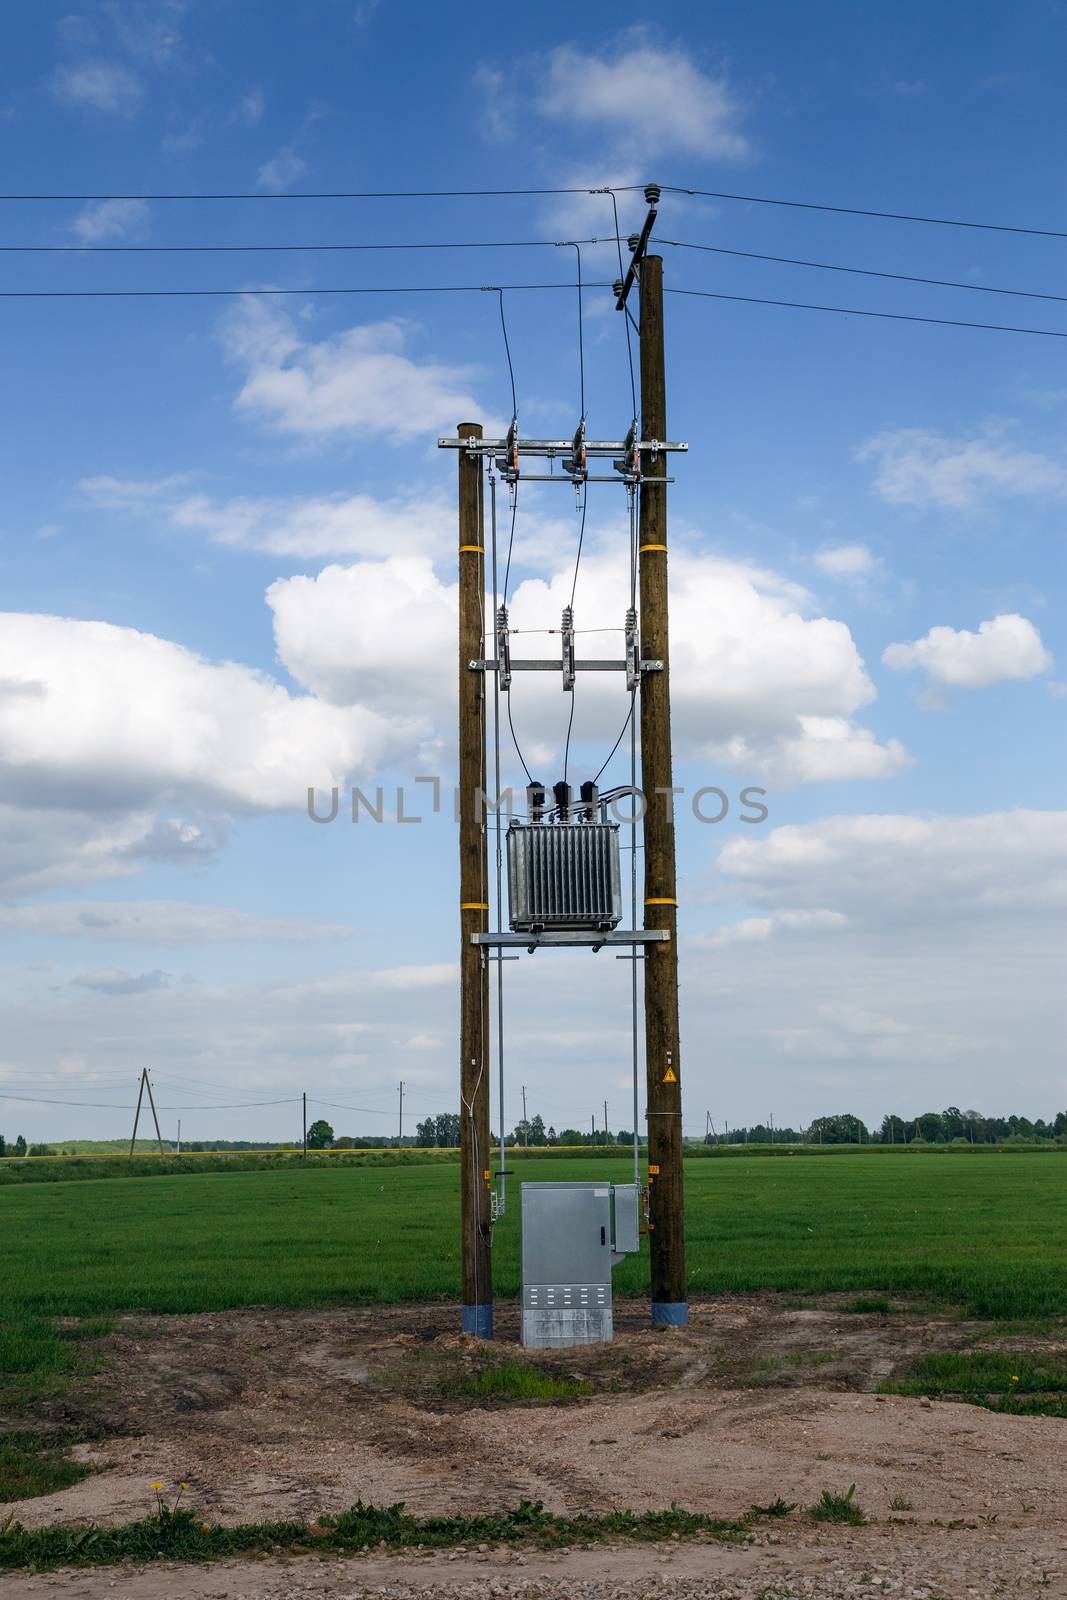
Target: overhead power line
{"points": [[337, 194], [512, 244], [209, 294], [210, 249], [102, 1105], [476, 194], [859, 211], [488, 288], [864, 272], [856, 311]]}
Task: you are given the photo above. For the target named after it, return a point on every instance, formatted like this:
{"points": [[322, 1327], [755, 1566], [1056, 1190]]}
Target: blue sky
{"points": [[227, 548]]}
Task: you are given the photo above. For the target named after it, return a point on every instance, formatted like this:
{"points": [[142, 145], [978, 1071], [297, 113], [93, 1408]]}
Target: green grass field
{"points": [[990, 1235]]}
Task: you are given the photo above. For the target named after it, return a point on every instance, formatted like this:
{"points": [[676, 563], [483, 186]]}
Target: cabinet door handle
{"points": [[603, 1235]]}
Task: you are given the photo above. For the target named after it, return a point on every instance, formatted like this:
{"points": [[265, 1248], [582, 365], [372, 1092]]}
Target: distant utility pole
{"points": [[475, 1219], [662, 1047], [400, 1130], [304, 1099], [145, 1083], [592, 1124], [179, 1135], [605, 1123], [525, 1124]]}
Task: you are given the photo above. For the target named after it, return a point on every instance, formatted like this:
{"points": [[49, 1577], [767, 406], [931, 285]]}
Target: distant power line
{"points": [[856, 311], [859, 211]]}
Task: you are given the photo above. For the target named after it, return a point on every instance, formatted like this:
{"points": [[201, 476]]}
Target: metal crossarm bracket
{"points": [[574, 456], [563, 937], [551, 448], [547, 664]]}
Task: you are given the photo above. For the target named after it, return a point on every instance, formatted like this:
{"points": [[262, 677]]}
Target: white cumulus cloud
{"points": [[1004, 647], [363, 380], [649, 97], [316, 525], [400, 652], [117, 746], [757, 682], [921, 468]]}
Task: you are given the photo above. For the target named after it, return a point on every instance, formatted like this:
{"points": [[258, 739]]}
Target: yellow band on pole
{"points": [[651, 547], [477, 548], [661, 902], [473, 905]]}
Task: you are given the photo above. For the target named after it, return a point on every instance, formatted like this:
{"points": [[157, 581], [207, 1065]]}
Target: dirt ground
{"points": [[292, 1414]]}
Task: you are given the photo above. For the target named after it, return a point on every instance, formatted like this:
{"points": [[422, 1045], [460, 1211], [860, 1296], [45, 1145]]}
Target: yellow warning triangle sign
{"points": [[669, 1076]]}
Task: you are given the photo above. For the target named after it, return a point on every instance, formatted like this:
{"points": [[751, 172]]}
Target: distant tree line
{"points": [[951, 1126]]}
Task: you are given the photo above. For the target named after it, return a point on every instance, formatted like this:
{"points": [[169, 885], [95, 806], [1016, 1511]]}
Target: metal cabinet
{"points": [[572, 1236]]}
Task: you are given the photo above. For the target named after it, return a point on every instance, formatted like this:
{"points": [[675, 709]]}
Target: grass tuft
{"points": [[180, 1535], [31, 1466], [1012, 1381], [777, 1508], [837, 1508], [512, 1380]]}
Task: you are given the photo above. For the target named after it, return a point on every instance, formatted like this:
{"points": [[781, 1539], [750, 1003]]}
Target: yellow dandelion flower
{"points": [[1015, 1377], [157, 1484], [183, 1485]]}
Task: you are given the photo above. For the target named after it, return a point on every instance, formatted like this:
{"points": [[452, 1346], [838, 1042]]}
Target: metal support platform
{"points": [[546, 665], [561, 447], [565, 938]]}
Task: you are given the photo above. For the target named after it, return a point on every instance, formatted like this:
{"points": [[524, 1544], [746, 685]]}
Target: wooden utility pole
{"points": [[525, 1124], [304, 1100], [145, 1083], [473, 904], [662, 1052], [137, 1113], [400, 1130], [152, 1103]]}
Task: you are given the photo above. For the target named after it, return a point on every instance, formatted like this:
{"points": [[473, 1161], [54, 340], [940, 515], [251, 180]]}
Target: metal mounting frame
{"points": [[547, 664], [565, 938]]}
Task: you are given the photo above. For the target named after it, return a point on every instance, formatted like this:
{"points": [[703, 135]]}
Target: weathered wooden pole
{"points": [[662, 1053], [474, 904]]}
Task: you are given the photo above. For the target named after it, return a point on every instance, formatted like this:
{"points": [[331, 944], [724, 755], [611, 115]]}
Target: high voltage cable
{"points": [[619, 188], [859, 211], [341, 194], [202, 294], [865, 272], [211, 249], [512, 244], [856, 311]]}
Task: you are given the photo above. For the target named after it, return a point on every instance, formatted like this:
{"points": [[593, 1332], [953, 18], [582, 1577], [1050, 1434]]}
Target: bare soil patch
{"points": [[295, 1413]]}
